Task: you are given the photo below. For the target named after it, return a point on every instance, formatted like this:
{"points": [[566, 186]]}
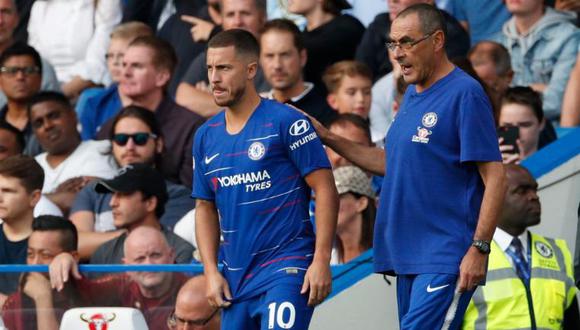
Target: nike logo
{"points": [[430, 289], [210, 159]]}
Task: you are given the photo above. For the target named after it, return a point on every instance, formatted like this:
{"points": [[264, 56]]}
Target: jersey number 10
{"points": [[279, 315]]}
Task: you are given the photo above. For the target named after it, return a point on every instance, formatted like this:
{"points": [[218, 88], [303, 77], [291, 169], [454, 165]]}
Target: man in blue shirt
{"points": [[255, 164], [444, 181]]}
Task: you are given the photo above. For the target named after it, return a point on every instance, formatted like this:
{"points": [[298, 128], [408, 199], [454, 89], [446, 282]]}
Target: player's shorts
{"points": [[431, 301], [282, 307]]}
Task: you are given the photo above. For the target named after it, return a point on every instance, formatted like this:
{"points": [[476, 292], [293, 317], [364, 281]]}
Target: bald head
{"points": [[521, 207], [143, 239], [192, 305]]}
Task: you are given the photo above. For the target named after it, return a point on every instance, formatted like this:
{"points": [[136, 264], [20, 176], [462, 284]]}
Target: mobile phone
{"points": [[510, 134]]}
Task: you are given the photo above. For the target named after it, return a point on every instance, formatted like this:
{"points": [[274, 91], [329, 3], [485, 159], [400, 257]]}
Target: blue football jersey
{"points": [[256, 180]]}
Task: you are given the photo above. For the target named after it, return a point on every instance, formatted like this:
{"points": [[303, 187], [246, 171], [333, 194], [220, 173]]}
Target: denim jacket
{"points": [[545, 55]]}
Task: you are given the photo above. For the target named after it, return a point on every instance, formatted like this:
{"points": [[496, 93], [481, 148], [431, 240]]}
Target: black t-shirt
{"points": [[11, 253], [314, 104], [334, 41]]}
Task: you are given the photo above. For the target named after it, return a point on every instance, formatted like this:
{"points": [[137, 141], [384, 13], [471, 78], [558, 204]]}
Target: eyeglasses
{"points": [[139, 139], [408, 44], [173, 320], [13, 70]]}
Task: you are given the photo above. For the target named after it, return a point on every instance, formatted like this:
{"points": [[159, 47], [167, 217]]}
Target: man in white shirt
{"points": [[68, 163]]}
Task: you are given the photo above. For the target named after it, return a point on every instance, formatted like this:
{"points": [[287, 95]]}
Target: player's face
{"points": [[352, 96], [8, 144], [417, 63], [522, 205], [115, 53], [280, 59], [43, 246], [523, 7], [228, 75], [129, 209], [15, 201], [153, 251], [20, 86], [140, 76], [350, 132], [522, 116], [242, 14], [131, 152], [8, 20]]}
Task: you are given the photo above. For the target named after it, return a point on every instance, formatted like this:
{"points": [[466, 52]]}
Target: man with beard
{"points": [[259, 178]]}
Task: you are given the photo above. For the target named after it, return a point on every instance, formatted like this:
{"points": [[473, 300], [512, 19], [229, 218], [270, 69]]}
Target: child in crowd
{"points": [[349, 86]]}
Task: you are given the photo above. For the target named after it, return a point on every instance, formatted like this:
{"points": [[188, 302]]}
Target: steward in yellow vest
{"points": [[519, 294]]}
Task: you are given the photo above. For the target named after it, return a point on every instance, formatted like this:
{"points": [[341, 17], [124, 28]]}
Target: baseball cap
{"points": [[352, 179], [341, 4], [136, 177]]}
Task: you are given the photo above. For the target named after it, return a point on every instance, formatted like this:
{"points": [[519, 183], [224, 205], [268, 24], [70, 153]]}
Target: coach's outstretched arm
{"points": [[318, 278], [473, 265], [370, 159], [207, 234]]}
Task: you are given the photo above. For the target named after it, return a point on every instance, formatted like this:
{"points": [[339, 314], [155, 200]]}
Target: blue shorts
{"points": [[282, 307], [430, 301]]}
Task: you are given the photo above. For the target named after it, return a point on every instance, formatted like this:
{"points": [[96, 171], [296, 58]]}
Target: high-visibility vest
{"points": [[503, 302]]}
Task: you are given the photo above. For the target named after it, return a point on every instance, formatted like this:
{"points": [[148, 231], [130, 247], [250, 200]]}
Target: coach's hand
{"points": [[319, 281], [217, 290], [472, 269]]}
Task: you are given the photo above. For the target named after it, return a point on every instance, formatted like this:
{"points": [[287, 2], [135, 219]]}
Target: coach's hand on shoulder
{"points": [[472, 269], [318, 281], [217, 290], [322, 131], [60, 269]]}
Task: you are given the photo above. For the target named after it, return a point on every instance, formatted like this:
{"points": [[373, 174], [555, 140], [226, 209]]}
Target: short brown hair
{"points": [[333, 75], [131, 30], [163, 53], [244, 43], [25, 169], [285, 25]]}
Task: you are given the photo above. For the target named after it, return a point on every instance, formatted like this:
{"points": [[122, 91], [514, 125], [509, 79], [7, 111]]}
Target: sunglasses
{"points": [[139, 139]]}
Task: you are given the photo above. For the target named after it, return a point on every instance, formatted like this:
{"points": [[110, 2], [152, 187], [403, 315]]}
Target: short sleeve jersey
{"points": [[256, 180], [432, 191]]}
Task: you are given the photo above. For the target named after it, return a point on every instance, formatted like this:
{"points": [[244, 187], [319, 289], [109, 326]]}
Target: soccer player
{"points": [[444, 181], [255, 164]]}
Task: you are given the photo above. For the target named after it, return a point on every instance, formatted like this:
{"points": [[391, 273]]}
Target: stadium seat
{"points": [[103, 318]]}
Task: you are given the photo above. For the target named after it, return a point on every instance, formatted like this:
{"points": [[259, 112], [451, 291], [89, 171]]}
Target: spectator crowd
{"points": [[100, 101]]}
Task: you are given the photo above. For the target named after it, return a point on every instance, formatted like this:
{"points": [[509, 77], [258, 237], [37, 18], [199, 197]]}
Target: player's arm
{"points": [[370, 159], [472, 269], [207, 235], [318, 278]]}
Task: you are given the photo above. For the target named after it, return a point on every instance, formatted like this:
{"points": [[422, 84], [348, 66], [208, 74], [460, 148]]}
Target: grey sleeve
{"points": [[85, 199], [183, 250], [197, 71], [49, 80]]}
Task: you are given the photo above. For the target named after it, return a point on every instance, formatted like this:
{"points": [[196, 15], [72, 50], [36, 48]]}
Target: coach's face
{"points": [[229, 74], [416, 49]]}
